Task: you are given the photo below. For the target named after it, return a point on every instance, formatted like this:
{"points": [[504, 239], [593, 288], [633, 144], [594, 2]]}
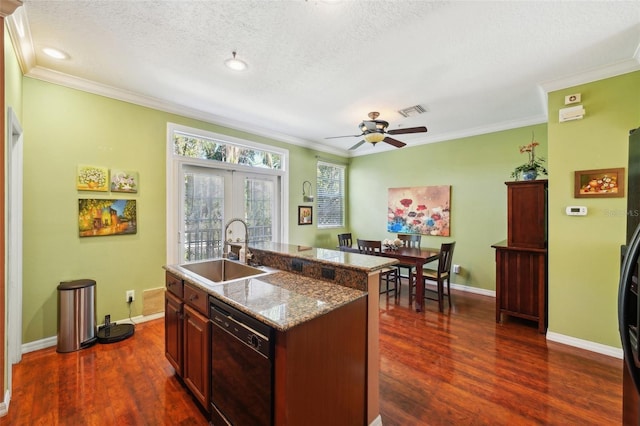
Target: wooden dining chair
{"points": [[387, 275], [408, 240], [439, 276], [345, 240]]}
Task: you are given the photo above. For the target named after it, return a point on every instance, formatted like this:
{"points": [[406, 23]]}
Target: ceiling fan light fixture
{"points": [[381, 125], [374, 137], [235, 63]]}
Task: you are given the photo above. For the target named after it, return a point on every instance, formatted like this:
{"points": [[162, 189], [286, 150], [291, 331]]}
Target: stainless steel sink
{"points": [[222, 270]]}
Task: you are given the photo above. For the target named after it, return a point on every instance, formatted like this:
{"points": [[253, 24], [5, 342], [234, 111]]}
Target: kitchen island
{"points": [[326, 361]]}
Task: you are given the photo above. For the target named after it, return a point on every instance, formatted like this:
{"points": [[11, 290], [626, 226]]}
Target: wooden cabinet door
{"points": [[173, 328], [527, 214], [197, 344]]}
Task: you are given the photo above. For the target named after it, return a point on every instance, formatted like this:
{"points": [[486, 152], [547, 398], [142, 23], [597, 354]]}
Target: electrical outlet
{"points": [[131, 296], [456, 269]]}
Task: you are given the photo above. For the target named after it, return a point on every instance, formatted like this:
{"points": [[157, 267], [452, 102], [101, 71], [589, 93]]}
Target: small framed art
{"points": [[599, 183], [305, 215]]}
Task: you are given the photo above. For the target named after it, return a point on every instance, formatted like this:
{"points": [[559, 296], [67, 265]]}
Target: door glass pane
{"points": [[259, 206], [203, 215]]}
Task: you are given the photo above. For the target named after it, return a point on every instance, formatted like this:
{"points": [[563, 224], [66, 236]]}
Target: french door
{"points": [[210, 197]]}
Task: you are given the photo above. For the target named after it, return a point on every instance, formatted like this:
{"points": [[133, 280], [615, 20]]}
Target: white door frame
{"points": [[13, 257]]}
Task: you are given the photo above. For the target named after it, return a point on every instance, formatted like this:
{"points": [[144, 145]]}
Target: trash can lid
{"points": [[75, 284]]}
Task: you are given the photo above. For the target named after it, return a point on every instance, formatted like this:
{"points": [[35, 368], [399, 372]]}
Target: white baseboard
{"points": [[4, 405], [47, 342], [377, 421], [555, 337], [585, 344], [475, 290]]}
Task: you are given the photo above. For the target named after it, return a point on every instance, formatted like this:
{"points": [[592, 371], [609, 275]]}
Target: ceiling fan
{"points": [[374, 131]]}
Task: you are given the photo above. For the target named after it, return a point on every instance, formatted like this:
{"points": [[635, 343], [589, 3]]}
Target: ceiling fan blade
{"points": [[394, 142], [357, 145], [346, 136], [407, 130]]}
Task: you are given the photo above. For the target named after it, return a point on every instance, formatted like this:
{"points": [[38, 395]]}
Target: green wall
{"points": [[64, 128], [584, 252], [475, 167]]}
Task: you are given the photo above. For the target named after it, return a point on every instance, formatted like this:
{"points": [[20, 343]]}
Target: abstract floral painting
{"points": [[420, 210]]}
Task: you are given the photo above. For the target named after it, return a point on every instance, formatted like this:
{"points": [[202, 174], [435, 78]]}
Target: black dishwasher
{"points": [[242, 350]]}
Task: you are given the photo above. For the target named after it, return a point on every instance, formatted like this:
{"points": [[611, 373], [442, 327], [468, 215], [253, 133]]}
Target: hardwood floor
{"points": [[456, 368], [461, 368]]}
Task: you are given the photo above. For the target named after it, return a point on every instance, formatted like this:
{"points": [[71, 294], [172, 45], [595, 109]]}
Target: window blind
{"points": [[330, 193]]}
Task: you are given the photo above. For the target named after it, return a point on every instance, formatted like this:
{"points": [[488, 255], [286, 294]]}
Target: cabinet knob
{"points": [[193, 297]]}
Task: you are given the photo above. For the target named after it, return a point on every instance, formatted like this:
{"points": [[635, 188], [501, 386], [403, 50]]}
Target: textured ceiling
{"points": [[316, 68]]}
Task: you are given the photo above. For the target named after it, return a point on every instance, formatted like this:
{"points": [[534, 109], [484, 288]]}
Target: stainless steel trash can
{"points": [[76, 315]]}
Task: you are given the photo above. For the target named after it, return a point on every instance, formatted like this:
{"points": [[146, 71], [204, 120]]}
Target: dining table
{"points": [[417, 256]]}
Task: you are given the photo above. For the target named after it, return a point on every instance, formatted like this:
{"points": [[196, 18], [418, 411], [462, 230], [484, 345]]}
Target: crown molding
{"points": [[89, 86], [7, 7], [20, 34], [595, 74]]}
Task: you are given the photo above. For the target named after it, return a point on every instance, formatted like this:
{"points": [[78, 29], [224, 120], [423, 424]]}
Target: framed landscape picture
{"points": [[106, 217]]}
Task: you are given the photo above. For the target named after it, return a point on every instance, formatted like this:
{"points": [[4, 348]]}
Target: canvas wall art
{"points": [[124, 181], [106, 217], [420, 210], [92, 178]]}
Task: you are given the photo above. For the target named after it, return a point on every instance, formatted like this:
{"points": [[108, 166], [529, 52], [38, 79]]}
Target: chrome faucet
{"points": [[247, 253]]}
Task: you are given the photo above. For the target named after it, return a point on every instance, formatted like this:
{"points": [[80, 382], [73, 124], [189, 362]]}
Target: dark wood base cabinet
{"points": [[521, 260], [521, 284], [320, 370], [187, 336], [319, 366]]}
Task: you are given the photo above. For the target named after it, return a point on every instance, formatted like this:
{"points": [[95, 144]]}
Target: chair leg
{"points": [[441, 295], [449, 290]]}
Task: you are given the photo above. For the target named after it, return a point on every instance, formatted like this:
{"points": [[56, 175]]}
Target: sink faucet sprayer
{"points": [[247, 253]]}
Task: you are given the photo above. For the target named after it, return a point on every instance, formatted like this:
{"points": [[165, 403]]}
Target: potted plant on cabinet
{"points": [[533, 167]]}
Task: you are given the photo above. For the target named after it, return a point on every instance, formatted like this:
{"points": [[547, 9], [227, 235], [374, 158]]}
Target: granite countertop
{"points": [[279, 299], [343, 259]]}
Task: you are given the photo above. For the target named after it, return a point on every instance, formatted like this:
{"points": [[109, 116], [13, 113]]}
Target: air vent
{"points": [[412, 111]]}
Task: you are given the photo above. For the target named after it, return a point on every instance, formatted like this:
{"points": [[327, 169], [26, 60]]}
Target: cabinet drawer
{"points": [[174, 285], [196, 298]]}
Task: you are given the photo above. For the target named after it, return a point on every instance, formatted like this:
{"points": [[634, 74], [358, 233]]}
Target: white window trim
{"points": [[174, 164]]}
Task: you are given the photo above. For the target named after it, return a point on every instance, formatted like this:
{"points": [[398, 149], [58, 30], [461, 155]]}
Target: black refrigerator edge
{"points": [[628, 300]]}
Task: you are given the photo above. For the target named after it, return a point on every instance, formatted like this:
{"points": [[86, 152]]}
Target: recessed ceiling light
{"points": [[235, 63], [55, 53]]}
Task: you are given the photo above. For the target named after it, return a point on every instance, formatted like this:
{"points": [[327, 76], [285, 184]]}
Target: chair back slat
{"points": [[372, 247], [345, 240], [446, 255], [410, 240]]}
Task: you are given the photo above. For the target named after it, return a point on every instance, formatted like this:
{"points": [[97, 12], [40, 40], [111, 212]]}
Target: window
{"points": [[330, 191], [213, 178], [206, 148]]}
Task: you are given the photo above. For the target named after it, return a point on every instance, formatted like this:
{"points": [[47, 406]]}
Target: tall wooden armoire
{"points": [[521, 260]]}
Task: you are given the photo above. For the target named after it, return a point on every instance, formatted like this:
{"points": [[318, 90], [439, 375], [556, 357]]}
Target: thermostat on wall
{"points": [[576, 211]]}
